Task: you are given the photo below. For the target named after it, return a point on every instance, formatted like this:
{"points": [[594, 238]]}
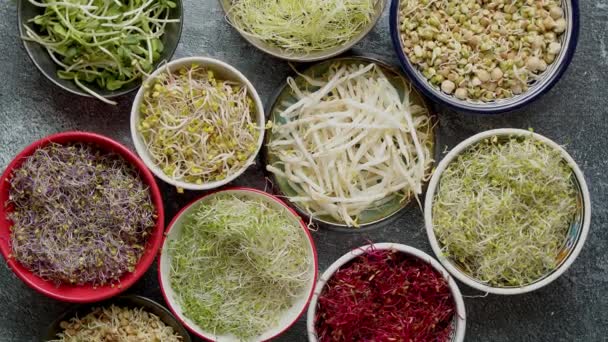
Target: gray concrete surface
{"points": [[575, 113]]}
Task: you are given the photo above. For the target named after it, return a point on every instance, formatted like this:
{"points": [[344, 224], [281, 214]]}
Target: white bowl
{"points": [[313, 56], [459, 323], [164, 266], [574, 242], [221, 70]]}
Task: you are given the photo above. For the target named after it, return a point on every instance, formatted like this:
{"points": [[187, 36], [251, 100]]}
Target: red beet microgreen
{"points": [[80, 215], [385, 295]]}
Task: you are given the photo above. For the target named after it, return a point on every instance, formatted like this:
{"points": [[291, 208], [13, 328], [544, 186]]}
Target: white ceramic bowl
{"points": [[221, 70], [574, 241], [459, 323], [164, 265], [313, 56]]}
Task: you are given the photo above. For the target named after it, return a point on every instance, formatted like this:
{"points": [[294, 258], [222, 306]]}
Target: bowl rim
{"points": [[53, 78], [385, 64], [47, 288], [489, 108], [459, 316], [318, 56], [270, 197], [131, 299], [214, 64], [468, 280]]}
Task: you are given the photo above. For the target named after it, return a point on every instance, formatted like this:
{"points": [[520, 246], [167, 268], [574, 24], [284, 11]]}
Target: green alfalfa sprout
{"points": [[302, 26], [107, 43], [503, 210], [238, 265], [198, 128]]}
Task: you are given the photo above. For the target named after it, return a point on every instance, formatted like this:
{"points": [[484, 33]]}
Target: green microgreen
{"points": [[107, 43]]}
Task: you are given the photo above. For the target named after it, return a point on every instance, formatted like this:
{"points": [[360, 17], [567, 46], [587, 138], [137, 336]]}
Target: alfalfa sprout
{"points": [[503, 210], [238, 265], [302, 26], [79, 215]]}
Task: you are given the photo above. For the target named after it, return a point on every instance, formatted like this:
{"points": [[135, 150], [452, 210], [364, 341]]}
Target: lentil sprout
{"points": [[503, 210], [80, 215], [482, 50], [198, 128]]}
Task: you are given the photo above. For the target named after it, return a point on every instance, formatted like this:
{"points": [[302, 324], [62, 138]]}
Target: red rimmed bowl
{"points": [[80, 293], [288, 318]]}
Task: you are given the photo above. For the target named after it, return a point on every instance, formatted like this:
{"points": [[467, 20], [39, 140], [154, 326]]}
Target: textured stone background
{"points": [[574, 113]]}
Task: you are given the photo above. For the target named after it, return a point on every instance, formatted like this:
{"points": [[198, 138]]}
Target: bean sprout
{"points": [[353, 143]]}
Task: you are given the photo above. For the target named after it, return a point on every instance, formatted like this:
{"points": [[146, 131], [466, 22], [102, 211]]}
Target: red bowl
{"points": [[80, 293], [165, 288]]}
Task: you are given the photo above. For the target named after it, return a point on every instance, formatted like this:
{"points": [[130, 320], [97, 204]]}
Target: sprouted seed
{"points": [[503, 210], [79, 215], [116, 324], [238, 265], [106, 43], [351, 143], [302, 26], [482, 50], [198, 128], [385, 295]]}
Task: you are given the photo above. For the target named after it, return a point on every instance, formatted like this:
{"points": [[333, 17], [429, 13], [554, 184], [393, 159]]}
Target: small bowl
{"points": [[129, 301], [307, 57], [164, 267], [548, 79], [459, 323], [80, 293], [573, 243], [222, 70], [373, 217], [49, 68]]}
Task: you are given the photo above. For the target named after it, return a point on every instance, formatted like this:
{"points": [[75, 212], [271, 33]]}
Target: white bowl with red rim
{"points": [[459, 321], [288, 318]]}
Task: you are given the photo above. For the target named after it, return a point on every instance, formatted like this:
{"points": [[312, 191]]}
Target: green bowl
{"points": [[130, 301], [285, 97]]}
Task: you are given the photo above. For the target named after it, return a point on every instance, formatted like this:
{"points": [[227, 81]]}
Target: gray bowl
{"points": [[130, 301], [49, 68], [309, 57]]}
